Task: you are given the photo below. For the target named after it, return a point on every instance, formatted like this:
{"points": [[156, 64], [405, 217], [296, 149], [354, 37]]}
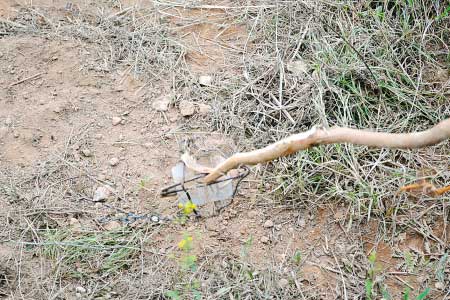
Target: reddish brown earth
{"points": [[50, 106]]}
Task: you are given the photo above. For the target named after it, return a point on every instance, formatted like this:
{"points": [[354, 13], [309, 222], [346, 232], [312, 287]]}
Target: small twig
{"points": [[342, 277], [404, 282], [25, 79], [297, 284]]}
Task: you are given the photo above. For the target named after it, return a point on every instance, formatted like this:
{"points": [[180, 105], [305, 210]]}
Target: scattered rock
{"points": [[291, 229], [186, 108], [297, 67], [283, 282], [421, 279], [8, 121], [114, 161], [80, 289], [162, 103], [86, 152], [301, 222], [439, 286], [126, 113], [174, 117], [268, 224], [265, 240], [426, 247], [211, 224], [205, 80], [78, 295], [112, 225], [116, 121], [252, 214], [16, 134], [74, 223], [204, 109], [278, 227], [101, 193], [122, 121], [57, 110]]}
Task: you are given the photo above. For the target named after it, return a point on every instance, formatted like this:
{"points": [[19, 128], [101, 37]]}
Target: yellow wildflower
{"points": [[182, 244]]}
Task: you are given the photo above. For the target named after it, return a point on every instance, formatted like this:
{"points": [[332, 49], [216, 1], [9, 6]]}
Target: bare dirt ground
{"points": [[73, 118]]}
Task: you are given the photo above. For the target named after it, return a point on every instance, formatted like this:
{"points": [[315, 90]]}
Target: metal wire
{"points": [[173, 189]]}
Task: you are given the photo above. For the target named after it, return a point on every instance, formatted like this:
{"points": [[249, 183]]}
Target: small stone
{"points": [[297, 67], [291, 229], [80, 289], [204, 109], [162, 103], [122, 122], [439, 285], [155, 219], [278, 227], [426, 247], [101, 177], [126, 113], [283, 282], [16, 134], [116, 121], [402, 237], [186, 108], [98, 136], [112, 225], [8, 121], [252, 214], [86, 152], [75, 224], [57, 110], [113, 161], [265, 240], [205, 80], [268, 224], [301, 222], [78, 295], [101, 193], [211, 224], [421, 279]]}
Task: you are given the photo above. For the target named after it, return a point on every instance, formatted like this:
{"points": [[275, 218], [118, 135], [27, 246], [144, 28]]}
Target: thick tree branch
{"points": [[320, 136]]}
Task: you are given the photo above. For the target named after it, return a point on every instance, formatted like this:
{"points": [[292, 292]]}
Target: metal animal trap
{"points": [[189, 185]]}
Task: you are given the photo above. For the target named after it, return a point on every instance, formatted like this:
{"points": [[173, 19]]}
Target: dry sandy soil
{"points": [[59, 102]]}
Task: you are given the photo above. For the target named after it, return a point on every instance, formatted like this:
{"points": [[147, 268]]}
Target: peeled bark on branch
{"points": [[320, 136]]}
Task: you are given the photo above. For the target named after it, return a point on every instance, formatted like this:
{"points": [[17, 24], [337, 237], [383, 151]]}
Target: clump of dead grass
{"points": [[370, 65], [132, 37]]}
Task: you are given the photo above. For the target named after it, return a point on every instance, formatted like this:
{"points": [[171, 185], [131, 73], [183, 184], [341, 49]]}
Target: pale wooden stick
{"points": [[320, 136]]}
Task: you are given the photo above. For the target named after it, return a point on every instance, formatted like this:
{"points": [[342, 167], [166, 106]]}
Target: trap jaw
{"points": [[189, 186]]}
